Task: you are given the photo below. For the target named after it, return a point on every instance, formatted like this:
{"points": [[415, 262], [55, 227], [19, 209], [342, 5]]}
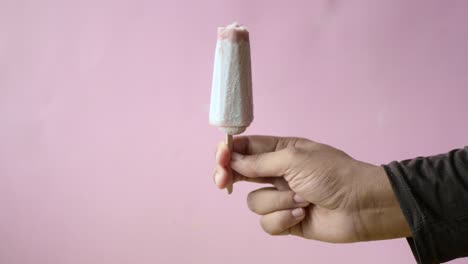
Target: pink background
{"points": [[106, 154]]}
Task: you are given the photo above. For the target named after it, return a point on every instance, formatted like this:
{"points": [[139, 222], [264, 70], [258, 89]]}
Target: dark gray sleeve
{"points": [[433, 194]]}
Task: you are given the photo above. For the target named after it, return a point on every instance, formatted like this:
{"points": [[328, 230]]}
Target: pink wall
{"points": [[106, 153]]}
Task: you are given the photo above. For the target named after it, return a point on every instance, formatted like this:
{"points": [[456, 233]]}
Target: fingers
{"points": [[262, 152], [224, 176], [280, 222], [220, 177], [221, 174], [268, 200], [223, 155], [281, 210], [269, 164]]}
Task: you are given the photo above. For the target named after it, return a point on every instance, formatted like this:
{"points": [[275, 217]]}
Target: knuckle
{"points": [[294, 152], [294, 156], [290, 141]]}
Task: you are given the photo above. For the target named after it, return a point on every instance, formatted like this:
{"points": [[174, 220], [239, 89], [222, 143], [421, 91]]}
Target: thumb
{"points": [[268, 164]]}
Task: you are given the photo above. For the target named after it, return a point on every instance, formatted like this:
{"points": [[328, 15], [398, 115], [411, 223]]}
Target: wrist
{"points": [[379, 211]]}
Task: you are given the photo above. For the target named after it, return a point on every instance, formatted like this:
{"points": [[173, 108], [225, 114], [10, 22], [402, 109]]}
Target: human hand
{"points": [[319, 192]]}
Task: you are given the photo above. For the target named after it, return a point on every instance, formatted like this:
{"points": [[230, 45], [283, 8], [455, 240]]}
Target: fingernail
{"points": [[298, 212], [236, 156], [298, 199]]}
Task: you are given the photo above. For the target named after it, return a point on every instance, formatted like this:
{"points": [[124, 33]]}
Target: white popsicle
{"points": [[231, 107]]}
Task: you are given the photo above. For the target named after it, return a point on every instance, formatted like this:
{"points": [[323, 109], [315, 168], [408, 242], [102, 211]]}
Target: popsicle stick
{"points": [[229, 144]]}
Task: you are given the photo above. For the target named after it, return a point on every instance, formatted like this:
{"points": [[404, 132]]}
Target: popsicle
{"points": [[231, 107]]}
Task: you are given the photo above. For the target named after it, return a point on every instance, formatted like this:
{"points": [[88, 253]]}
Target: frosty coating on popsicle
{"points": [[231, 107]]}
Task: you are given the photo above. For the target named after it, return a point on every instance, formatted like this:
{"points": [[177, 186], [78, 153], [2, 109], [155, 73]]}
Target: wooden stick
{"points": [[229, 145]]}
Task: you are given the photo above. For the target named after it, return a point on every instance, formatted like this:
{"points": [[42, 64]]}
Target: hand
{"points": [[319, 192]]}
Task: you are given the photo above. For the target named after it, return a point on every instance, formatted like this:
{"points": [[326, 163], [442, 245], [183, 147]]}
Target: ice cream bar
{"points": [[231, 107]]}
